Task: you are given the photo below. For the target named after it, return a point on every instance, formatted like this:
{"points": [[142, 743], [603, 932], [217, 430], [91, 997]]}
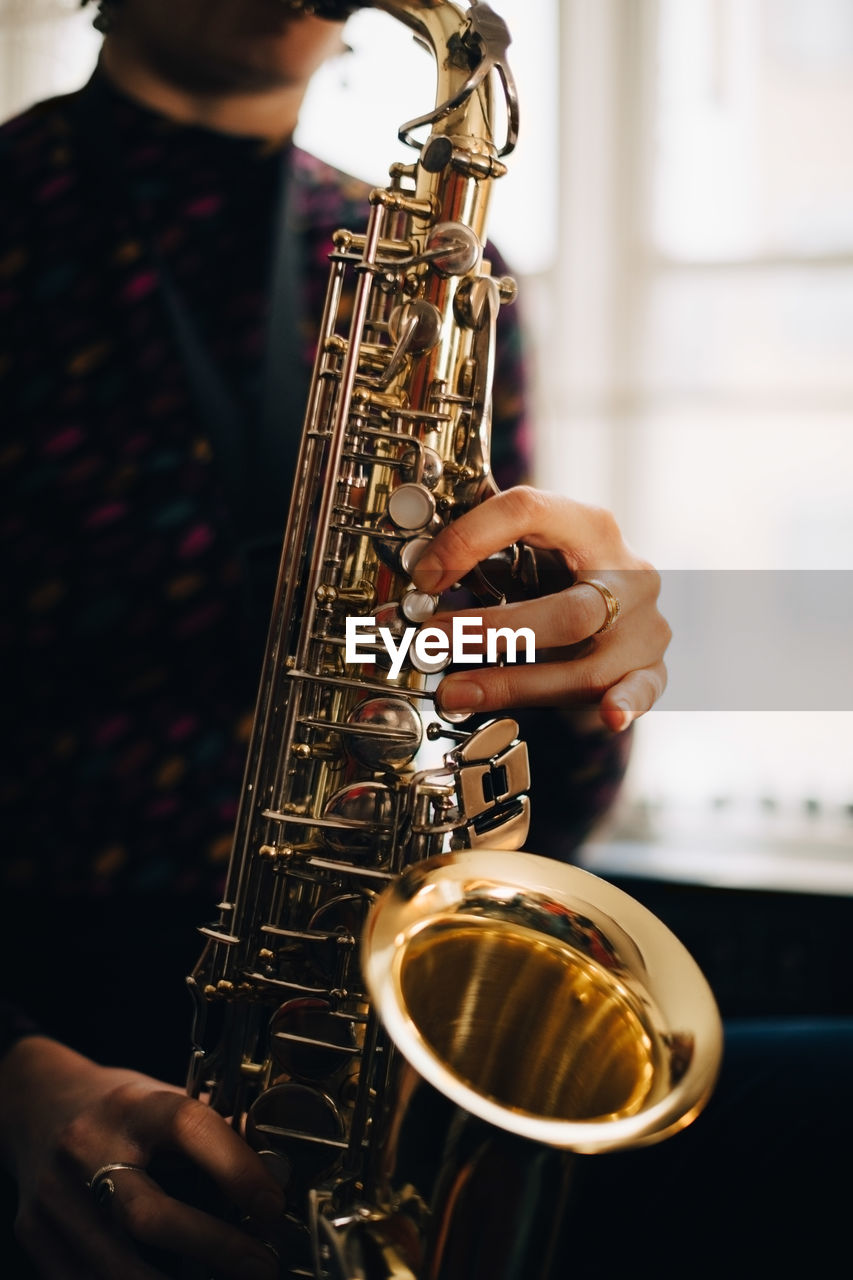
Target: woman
{"points": [[147, 439]]}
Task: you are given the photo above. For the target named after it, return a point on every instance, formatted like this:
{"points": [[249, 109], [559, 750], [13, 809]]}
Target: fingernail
{"points": [[267, 1206], [428, 571], [460, 695], [624, 716]]}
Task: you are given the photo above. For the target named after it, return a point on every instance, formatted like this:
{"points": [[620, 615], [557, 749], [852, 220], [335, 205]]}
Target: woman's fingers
{"points": [[632, 696], [601, 639], [157, 1221], [584, 535], [173, 1122], [565, 618], [71, 1239], [79, 1201], [574, 682], [135, 1123], [575, 662], [553, 684]]}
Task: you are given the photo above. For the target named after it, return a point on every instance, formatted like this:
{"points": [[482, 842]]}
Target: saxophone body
{"points": [[393, 1003]]}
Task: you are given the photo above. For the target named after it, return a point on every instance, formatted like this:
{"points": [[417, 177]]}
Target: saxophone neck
{"points": [[468, 44]]}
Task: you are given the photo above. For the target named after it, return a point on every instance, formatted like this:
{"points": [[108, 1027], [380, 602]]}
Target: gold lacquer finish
{"points": [[483, 996], [543, 1000]]}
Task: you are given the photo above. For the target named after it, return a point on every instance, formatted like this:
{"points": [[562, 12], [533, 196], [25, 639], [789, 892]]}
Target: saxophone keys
{"points": [[311, 1042], [389, 615], [418, 606], [388, 732], [300, 1124], [357, 817], [412, 552], [335, 958], [477, 302], [488, 741], [422, 465], [415, 327], [411, 507], [399, 552], [421, 659], [484, 786], [453, 248], [493, 772], [505, 828]]}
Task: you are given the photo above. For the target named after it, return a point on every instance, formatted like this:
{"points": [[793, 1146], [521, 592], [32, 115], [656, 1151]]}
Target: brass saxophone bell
{"points": [[543, 1000]]}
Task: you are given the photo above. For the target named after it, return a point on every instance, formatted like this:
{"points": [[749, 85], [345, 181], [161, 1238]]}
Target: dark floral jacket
{"points": [[133, 604]]}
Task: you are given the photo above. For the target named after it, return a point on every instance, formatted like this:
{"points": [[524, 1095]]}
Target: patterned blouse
{"points": [[135, 583]]}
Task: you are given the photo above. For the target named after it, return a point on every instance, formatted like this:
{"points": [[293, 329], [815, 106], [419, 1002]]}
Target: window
{"points": [[724, 402], [46, 47]]}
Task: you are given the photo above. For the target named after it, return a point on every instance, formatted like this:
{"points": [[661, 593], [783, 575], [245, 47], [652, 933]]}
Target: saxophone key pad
{"points": [[309, 1041], [301, 1124], [422, 465], [452, 246], [390, 615], [418, 606], [412, 552], [388, 732], [488, 742], [426, 664], [356, 817], [411, 506], [452, 717]]}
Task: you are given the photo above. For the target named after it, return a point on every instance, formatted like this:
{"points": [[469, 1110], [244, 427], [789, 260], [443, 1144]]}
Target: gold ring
{"points": [[102, 1186], [614, 608]]}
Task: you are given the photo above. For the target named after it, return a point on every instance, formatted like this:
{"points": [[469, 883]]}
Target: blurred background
{"points": [[679, 214]]}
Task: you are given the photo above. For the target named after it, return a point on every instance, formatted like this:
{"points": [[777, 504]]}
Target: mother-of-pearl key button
{"points": [[412, 552], [411, 506], [420, 656], [418, 606]]}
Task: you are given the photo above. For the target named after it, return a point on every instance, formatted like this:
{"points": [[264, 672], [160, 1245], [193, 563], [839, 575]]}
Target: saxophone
{"points": [[403, 1015]]}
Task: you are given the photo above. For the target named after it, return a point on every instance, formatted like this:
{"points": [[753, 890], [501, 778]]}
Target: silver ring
{"points": [[614, 608], [102, 1186]]}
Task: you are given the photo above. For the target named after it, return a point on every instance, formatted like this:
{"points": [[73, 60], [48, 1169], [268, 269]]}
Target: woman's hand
{"points": [[64, 1117], [619, 668]]}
